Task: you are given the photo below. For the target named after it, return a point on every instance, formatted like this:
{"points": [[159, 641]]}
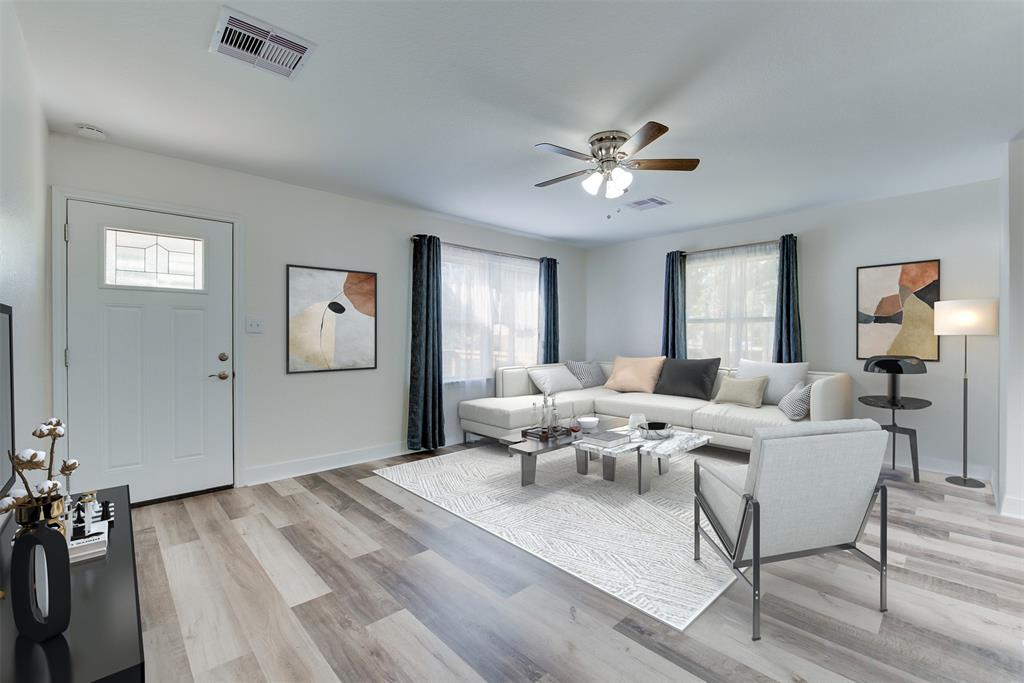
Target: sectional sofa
{"points": [[728, 425]]}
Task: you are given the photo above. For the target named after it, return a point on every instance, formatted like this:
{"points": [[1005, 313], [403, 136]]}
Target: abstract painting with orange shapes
{"points": [[332, 319], [896, 310]]}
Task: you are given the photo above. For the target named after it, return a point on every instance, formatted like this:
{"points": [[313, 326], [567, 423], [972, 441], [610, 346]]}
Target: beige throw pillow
{"points": [[635, 374], [743, 392]]}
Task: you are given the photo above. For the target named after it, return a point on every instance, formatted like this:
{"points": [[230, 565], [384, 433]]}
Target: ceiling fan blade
{"points": [[568, 176], [662, 164], [648, 133], [562, 150]]}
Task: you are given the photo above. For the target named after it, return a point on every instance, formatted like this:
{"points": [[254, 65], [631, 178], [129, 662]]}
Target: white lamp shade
{"points": [[967, 317], [592, 183]]}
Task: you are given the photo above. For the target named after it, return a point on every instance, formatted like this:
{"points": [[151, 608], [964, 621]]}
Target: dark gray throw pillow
{"points": [[688, 377]]}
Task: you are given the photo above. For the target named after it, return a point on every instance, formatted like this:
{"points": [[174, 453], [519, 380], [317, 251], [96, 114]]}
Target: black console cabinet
{"points": [[104, 640]]}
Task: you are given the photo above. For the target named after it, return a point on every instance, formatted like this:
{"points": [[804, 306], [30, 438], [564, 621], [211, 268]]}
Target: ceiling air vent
{"points": [[648, 203], [263, 45]]}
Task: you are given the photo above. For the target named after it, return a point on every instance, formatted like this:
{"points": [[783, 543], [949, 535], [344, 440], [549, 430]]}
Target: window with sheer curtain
{"points": [[730, 303], [488, 312]]}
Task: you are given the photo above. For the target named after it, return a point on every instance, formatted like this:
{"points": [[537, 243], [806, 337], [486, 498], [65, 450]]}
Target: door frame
{"points": [[59, 198]]}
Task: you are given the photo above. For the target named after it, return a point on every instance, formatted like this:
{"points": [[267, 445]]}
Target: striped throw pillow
{"points": [[588, 372], [797, 403]]}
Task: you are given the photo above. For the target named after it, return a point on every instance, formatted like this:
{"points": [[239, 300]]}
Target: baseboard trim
{"points": [[318, 463], [1012, 506]]}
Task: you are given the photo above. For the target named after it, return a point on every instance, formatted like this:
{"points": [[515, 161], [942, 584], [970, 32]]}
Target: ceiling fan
{"points": [[610, 153]]}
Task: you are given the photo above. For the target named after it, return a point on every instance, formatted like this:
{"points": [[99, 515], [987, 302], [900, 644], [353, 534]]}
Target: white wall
{"points": [[362, 414], [1011, 442], [959, 225], [24, 274]]}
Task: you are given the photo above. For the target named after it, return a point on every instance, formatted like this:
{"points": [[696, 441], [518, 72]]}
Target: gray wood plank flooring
{"points": [[344, 576]]}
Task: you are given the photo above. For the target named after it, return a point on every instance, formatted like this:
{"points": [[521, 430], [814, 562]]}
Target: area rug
{"points": [[636, 548]]}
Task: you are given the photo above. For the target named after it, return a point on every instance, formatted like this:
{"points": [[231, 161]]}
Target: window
{"points": [[489, 312], [730, 303], [140, 259]]}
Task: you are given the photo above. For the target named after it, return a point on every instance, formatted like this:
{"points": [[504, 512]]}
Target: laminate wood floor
{"points": [[345, 576]]}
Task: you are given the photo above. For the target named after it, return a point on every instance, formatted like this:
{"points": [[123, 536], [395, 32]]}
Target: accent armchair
{"points": [[809, 489]]}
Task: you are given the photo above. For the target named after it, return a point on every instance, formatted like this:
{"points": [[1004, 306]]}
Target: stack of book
{"points": [[606, 439]]}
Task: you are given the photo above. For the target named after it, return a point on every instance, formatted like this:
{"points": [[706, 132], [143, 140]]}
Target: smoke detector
{"points": [[87, 130], [260, 44]]}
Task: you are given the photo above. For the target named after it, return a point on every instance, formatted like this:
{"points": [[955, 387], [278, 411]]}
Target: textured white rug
{"points": [[637, 548]]}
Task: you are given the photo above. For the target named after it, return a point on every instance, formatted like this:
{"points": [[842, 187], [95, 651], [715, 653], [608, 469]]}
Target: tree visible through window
{"points": [[488, 312], [730, 303]]}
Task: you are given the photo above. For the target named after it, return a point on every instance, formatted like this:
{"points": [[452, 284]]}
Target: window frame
{"points": [[756, 319], [102, 255]]}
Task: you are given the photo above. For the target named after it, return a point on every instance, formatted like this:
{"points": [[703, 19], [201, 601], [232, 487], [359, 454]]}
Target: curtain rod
{"points": [[731, 246], [486, 251]]}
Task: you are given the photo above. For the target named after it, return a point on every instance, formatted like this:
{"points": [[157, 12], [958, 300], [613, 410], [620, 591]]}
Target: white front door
{"points": [[149, 350]]}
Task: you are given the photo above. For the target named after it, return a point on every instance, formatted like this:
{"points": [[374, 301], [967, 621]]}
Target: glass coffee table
{"points": [[646, 450]]}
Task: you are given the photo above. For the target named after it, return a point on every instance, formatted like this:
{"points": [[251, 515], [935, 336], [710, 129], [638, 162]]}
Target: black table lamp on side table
{"points": [[896, 367]]}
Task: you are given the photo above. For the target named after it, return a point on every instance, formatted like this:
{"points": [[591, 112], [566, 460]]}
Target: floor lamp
{"points": [[966, 317]]}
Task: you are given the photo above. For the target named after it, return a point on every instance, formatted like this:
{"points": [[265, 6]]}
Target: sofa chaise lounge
{"points": [[728, 425]]}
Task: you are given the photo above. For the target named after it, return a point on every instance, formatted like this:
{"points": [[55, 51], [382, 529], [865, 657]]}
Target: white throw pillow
{"points": [[797, 404], [782, 377], [551, 379]]}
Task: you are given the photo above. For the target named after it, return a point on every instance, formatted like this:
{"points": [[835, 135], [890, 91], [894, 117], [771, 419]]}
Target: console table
{"points": [[104, 640], [894, 404]]}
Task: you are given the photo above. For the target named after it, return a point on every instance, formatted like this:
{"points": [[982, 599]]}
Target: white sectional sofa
{"points": [[728, 425]]}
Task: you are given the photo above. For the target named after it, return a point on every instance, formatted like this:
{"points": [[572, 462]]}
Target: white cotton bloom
{"points": [[53, 421], [48, 486], [26, 454], [6, 504], [59, 431], [39, 456], [72, 462]]}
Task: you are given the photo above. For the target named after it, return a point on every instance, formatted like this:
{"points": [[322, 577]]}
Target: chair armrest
{"points": [[709, 468], [832, 398]]}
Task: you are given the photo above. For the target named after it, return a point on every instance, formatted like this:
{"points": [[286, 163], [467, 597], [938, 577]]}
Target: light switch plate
{"points": [[253, 325]]}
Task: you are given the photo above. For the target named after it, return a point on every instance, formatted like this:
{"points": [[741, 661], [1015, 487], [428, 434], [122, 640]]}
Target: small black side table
{"points": [[902, 403]]}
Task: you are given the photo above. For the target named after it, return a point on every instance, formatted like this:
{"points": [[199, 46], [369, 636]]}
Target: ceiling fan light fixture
{"points": [[592, 183], [612, 189], [622, 177]]}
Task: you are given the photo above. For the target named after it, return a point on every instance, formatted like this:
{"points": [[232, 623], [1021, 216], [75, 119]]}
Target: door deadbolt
{"points": [[222, 375], [222, 356]]}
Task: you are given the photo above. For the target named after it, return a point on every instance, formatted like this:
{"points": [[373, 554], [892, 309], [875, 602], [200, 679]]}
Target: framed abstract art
{"points": [[332, 319], [896, 310]]}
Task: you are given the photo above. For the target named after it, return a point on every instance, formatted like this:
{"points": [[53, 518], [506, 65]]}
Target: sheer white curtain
{"points": [[730, 303], [488, 312], [489, 318]]}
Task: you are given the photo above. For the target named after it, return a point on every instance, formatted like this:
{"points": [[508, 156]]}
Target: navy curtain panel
{"points": [[548, 351], [788, 347], [426, 412], [673, 328]]}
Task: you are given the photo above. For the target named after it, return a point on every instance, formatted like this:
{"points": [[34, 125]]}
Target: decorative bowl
{"points": [[587, 423], [655, 430]]}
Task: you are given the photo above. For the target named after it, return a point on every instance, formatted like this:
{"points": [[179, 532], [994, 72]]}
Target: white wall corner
{"points": [[1010, 476]]}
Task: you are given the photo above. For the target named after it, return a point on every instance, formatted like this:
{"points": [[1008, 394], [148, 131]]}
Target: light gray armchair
{"points": [[809, 489]]}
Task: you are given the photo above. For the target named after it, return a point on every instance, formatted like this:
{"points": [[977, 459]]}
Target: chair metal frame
{"points": [[750, 526]]}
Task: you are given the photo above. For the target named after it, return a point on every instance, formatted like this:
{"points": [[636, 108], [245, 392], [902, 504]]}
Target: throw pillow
{"points": [[688, 377], [551, 379], [635, 374], [588, 372], [782, 377], [797, 404], [743, 392]]}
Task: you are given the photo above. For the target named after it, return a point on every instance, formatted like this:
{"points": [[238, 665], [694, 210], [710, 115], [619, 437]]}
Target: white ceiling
{"points": [[438, 104]]}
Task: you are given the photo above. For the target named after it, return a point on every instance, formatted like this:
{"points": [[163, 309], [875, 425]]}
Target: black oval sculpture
{"points": [[30, 621]]}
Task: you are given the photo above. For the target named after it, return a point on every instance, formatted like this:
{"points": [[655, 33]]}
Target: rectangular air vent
{"points": [[648, 203], [263, 45]]}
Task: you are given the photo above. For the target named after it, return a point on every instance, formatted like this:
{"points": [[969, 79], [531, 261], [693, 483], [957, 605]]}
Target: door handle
{"points": [[222, 375]]}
